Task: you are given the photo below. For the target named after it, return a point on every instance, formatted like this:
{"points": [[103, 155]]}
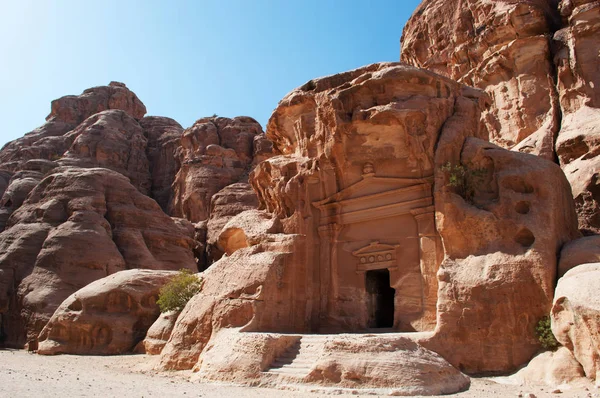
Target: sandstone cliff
{"points": [[538, 61], [91, 192]]}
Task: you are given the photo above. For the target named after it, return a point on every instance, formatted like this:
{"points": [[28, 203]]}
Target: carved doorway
{"points": [[380, 299]]}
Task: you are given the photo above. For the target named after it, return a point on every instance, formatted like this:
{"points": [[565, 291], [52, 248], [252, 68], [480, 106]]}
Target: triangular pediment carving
{"points": [[370, 185]]}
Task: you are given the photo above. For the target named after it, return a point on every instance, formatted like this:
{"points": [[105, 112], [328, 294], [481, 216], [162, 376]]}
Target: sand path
{"points": [[23, 374]]}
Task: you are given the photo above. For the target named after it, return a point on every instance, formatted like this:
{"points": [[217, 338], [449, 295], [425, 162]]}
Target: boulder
{"points": [[580, 251], [553, 369], [108, 316], [77, 226], [576, 316], [159, 333]]}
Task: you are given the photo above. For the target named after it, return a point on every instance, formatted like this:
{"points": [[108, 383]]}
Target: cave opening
{"points": [[380, 299]]}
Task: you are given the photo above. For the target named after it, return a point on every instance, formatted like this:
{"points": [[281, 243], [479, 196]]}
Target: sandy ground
{"points": [[24, 374]]}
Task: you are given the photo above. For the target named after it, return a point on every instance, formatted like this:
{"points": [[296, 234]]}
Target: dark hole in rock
{"points": [[76, 306], [8, 203], [522, 207], [525, 237]]}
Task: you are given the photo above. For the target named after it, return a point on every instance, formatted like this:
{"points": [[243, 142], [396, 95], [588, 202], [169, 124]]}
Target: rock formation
{"points": [[79, 225], [215, 152], [360, 229], [77, 199], [373, 238], [108, 316], [538, 61], [576, 316]]}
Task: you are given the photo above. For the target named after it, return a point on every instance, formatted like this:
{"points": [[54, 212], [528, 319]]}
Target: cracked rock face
{"points": [[539, 62]]}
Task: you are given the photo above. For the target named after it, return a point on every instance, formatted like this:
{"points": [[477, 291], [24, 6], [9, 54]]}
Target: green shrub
{"points": [[464, 180], [545, 335], [175, 294]]}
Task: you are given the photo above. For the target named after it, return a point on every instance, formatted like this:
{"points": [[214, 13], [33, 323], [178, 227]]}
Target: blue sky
{"points": [[184, 59]]}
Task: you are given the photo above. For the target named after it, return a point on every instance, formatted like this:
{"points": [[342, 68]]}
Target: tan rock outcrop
{"points": [[114, 140], [47, 141], [497, 278], [214, 153], [387, 365], [581, 251], [578, 144], [247, 229], [576, 316], [554, 369], [77, 226], [159, 333], [108, 316], [249, 289]]}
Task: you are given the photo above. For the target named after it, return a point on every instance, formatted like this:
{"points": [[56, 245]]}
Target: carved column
{"points": [[429, 242]]}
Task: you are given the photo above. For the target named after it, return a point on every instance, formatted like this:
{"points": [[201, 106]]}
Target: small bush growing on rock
{"points": [[464, 180], [545, 335], [175, 294]]}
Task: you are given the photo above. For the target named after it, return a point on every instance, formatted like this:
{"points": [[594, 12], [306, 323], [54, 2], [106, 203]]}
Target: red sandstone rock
{"points": [[497, 277], [250, 289], [77, 226], [581, 251], [502, 47], [108, 316], [76, 108], [47, 141], [164, 137], [578, 143], [539, 62], [225, 204], [214, 153], [576, 316], [113, 140]]}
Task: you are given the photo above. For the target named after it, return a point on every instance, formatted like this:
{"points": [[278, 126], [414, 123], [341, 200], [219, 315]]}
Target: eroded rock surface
{"points": [[159, 333], [108, 316], [227, 203], [47, 141], [215, 152], [539, 62], [500, 46], [77, 226], [576, 316], [580, 251], [164, 139]]}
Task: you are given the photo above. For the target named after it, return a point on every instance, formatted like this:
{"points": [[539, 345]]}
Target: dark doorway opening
{"points": [[380, 299]]}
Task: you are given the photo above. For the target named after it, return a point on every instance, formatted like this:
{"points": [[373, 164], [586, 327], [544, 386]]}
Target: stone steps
{"points": [[297, 360]]}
